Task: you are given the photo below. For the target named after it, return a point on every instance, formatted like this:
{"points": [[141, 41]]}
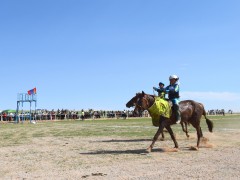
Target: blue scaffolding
{"points": [[24, 97]]}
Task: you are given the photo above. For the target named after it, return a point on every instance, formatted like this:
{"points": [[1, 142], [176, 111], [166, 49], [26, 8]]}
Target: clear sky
{"points": [[83, 54]]}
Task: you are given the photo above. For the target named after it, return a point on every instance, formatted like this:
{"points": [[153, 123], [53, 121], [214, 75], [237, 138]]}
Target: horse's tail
{"points": [[210, 125], [208, 121]]}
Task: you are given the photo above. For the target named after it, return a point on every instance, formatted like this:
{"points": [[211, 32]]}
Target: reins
{"points": [[147, 103], [144, 98]]}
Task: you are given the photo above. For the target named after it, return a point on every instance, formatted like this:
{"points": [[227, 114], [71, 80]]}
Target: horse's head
{"points": [[134, 100], [140, 101]]}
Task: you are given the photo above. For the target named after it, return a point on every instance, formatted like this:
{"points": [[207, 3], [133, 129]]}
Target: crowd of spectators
{"points": [[43, 114], [218, 112]]}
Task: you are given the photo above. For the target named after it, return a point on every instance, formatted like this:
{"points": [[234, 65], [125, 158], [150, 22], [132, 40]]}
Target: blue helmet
{"points": [[160, 83]]}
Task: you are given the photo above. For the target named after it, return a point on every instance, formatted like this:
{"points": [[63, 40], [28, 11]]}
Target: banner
{"points": [[32, 91]]}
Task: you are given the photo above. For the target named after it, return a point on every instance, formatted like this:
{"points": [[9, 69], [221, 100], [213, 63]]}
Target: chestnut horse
{"points": [[191, 112], [138, 112]]}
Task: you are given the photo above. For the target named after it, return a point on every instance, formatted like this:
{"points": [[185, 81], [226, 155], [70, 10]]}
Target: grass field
{"points": [[16, 134], [116, 149]]}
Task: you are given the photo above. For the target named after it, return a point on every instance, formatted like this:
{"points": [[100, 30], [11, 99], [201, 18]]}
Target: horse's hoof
{"points": [[148, 150], [194, 148], [161, 139]]}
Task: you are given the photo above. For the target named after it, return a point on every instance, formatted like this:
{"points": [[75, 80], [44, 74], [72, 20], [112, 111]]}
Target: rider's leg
{"points": [[176, 111]]}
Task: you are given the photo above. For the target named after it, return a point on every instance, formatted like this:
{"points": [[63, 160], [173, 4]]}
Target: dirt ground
{"points": [[120, 158]]}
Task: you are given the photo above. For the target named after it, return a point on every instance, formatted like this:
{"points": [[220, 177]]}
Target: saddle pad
{"points": [[160, 107]]}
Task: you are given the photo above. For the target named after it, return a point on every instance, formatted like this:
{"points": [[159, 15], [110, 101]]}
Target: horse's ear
{"points": [[143, 92]]}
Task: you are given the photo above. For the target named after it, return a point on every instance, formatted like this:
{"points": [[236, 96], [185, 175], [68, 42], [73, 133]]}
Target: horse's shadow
{"points": [[118, 152], [134, 151], [125, 140]]}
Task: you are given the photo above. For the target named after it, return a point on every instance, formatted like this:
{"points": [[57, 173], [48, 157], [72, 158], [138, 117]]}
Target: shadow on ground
{"points": [[124, 140], [116, 152]]}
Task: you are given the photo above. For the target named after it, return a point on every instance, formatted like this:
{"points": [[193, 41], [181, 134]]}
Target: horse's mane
{"points": [[134, 99]]}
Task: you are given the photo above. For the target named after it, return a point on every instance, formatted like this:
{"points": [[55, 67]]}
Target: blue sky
{"points": [[82, 54]]}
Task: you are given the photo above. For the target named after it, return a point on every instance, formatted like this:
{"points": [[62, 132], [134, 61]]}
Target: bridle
{"points": [[141, 106]]}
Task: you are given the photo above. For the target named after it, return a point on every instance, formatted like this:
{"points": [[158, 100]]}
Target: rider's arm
{"points": [[174, 88], [156, 89], [167, 90]]}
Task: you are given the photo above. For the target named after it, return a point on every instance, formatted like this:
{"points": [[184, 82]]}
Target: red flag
{"points": [[32, 91]]}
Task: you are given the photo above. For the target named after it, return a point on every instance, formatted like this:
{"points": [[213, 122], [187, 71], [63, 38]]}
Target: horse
{"points": [[138, 112], [191, 112]]}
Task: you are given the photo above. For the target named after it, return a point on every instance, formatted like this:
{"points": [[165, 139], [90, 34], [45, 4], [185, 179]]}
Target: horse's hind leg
{"points": [[199, 135], [185, 129]]}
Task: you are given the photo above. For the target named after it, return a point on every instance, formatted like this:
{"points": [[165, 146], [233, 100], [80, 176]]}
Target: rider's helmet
{"points": [[173, 77], [160, 83]]}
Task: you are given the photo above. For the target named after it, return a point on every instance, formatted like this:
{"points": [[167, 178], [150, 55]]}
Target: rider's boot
{"points": [[177, 113]]}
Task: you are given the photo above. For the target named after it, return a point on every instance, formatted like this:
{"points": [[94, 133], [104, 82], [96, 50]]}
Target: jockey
{"points": [[173, 94], [160, 90]]}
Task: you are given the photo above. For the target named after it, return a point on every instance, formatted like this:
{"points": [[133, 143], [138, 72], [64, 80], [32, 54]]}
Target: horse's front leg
{"points": [[155, 138], [168, 127]]}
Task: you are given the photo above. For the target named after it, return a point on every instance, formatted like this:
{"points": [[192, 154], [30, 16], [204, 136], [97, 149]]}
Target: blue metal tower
{"points": [[24, 97]]}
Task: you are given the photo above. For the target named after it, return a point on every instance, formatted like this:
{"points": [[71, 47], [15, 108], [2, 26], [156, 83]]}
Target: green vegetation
{"points": [[15, 134]]}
